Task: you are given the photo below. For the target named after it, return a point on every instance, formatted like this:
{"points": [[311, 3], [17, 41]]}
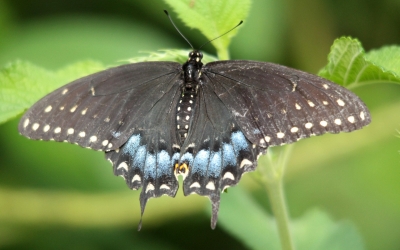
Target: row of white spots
{"points": [[210, 185], [340, 102], [72, 110], [150, 187], [70, 131]]}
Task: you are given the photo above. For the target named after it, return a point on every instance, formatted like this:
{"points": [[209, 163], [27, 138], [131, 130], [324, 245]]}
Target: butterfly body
{"points": [[208, 123]]}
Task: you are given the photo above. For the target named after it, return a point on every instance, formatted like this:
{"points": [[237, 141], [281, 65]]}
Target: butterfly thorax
{"points": [[186, 104]]}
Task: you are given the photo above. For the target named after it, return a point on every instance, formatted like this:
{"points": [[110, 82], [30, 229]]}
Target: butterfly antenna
{"points": [[222, 34], [166, 12]]}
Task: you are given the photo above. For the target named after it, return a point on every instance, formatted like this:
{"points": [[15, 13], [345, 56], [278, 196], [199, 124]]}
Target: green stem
{"points": [[273, 173]]}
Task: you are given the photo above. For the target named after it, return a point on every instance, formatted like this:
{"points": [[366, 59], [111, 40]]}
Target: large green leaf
{"points": [[22, 84], [350, 66], [213, 18]]}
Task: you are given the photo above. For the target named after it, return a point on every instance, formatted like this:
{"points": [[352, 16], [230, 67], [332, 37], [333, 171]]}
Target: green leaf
{"points": [[22, 84], [247, 221], [213, 18], [250, 223], [387, 57], [315, 230], [350, 66]]}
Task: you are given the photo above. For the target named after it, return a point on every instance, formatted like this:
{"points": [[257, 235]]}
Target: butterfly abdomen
{"points": [[184, 112]]}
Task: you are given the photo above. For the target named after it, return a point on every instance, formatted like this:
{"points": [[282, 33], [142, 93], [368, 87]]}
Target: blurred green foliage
{"points": [[55, 195]]}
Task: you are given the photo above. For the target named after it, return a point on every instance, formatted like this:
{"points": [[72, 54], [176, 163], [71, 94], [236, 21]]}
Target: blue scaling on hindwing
{"points": [[150, 166], [228, 155], [216, 163], [139, 158], [239, 142], [132, 145], [164, 163], [214, 169], [145, 162], [187, 157], [201, 161]]}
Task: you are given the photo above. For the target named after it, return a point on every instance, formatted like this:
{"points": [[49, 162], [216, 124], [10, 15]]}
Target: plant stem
{"points": [[273, 173]]}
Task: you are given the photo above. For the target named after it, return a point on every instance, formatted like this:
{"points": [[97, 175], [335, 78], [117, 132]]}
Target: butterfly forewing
{"points": [[275, 105], [100, 111]]}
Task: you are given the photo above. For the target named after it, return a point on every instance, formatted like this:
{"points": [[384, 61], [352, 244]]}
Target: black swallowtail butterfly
{"points": [[208, 123]]}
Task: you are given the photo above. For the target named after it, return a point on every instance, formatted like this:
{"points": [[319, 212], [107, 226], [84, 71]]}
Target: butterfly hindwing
{"points": [[216, 151], [146, 160]]}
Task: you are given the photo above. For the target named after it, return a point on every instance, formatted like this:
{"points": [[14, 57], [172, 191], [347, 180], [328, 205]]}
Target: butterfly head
{"points": [[195, 56]]}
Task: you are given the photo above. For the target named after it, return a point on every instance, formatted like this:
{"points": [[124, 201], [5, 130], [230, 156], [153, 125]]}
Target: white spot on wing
{"points": [[62, 108], [84, 111], [294, 129], [104, 143], [35, 126], [57, 130], [82, 134], [308, 125], [64, 91], [26, 122], [72, 110], [210, 185], [48, 109], [93, 138], [310, 103], [338, 122], [362, 115], [46, 128], [136, 178], [297, 106], [149, 187], [325, 103], [107, 119], [109, 145], [245, 162], [187, 117], [164, 186], [325, 86], [70, 131], [123, 165], [280, 135], [323, 123], [340, 102], [351, 119], [195, 185], [228, 175], [267, 138]]}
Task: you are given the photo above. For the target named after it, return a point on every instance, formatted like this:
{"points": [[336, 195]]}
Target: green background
{"points": [[55, 195]]}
